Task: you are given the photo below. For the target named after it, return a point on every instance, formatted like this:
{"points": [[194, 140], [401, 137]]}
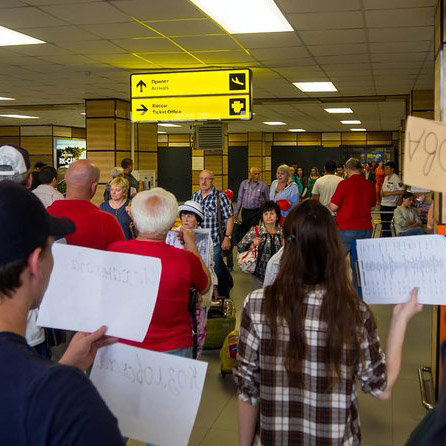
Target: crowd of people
{"points": [[305, 335]]}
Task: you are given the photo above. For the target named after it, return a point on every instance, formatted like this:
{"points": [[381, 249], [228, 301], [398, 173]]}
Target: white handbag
{"points": [[247, 261]]}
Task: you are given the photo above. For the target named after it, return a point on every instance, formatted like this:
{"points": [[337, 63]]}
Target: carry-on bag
{"points": [[228, 353], [221, 321]]}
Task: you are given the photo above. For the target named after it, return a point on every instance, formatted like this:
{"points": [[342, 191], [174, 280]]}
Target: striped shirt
{"points": [[307, 415], [209, 205], [251, 194]]}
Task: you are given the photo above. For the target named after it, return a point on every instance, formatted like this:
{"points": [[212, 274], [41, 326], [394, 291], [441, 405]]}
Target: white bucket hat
{"points": [[192, 206]]}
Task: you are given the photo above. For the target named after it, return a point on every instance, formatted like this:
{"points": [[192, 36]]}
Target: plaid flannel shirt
{"points": [[306, 415], [209, 205]]}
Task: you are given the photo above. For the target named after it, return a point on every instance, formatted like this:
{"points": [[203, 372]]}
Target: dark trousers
{"points": [[386, 218], [250, 218]]}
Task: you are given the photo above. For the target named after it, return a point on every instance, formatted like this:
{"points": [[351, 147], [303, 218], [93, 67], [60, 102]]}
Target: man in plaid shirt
{"points": [[208, 198]]}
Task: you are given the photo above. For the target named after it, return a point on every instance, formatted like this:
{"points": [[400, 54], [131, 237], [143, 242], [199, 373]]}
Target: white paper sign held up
{"points": [[425, 154], [155, 396], [89, 288]]}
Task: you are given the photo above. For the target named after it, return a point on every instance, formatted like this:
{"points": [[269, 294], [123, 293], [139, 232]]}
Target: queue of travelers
{"points": [[305, 335]]}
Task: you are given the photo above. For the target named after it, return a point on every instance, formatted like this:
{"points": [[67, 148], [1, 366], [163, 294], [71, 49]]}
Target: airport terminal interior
{"points": [[322, 79]]}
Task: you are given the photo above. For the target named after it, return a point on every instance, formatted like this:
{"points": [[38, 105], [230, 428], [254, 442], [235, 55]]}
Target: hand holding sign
{"points": [[425, 154]]}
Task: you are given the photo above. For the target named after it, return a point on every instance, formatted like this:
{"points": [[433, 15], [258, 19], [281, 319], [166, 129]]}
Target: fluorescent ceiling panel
{"points": [[353, 121], [275, 123], [313, 87], [338, 110], [19, 116], [6, 99], [247, 16], [296, 130], [358, 130], [8, 37], [169, 125]]}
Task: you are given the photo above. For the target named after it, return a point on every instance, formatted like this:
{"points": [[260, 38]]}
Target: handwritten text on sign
{"points": [[90, 288], [425, 154], [155, 396]]}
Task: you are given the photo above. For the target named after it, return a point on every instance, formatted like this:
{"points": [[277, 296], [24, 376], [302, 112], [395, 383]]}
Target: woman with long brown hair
{"points": [[304, 341]]}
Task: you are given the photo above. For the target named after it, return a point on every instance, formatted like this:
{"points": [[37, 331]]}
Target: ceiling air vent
{"points": [[210, 136]]}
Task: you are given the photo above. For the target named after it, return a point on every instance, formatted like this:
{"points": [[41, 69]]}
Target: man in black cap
{"points": [[41, 402]]}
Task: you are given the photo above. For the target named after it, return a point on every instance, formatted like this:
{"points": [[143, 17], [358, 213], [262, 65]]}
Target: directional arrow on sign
{"points": [[143, 109], [141, 84]]}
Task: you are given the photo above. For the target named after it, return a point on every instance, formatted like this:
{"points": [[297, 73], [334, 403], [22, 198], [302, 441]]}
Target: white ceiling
{"points": [[365, 47]]}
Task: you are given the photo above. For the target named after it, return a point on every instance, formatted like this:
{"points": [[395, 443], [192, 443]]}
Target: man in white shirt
{"points": [[46, 191], [325, 187], [391, 192]]}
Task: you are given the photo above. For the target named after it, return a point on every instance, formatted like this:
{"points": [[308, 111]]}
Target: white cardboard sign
{"points": [[425, 154], [89, 288], [391, 267], [155, 396]]}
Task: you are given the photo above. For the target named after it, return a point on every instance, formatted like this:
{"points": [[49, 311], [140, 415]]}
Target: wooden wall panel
{"points": [[214, 163], [290, 136], [37, 145], [100, 108], [255, 148], [47, 159], [121, 154], [123, 129], [100, 134], [78, 132], [148, 161], [15, 140], [235, 138], [123, 109], [10, 131], [62, 132], [105, 161], [148, 138], [99, 195]]}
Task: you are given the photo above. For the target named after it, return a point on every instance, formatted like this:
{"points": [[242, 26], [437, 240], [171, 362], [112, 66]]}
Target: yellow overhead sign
{"points": [[191, 83], [199, 108]]}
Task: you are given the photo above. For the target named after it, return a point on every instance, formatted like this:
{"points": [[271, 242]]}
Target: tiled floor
{"points": [[384, 423]]}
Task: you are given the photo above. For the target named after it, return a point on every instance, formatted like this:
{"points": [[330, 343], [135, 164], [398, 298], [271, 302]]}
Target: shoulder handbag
{"points": [[247, 261]]}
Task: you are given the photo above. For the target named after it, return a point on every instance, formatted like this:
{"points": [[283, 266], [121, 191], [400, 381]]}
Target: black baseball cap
{"points": [[25, 224]]}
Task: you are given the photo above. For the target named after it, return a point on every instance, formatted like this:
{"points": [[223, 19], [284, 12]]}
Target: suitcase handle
{"points": [[426, 387]]}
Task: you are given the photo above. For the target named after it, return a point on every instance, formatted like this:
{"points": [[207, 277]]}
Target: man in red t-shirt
{"points": [[170, 330], [353, 201], [94, 228]]}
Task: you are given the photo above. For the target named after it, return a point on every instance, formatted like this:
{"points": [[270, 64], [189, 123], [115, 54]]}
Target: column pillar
{"points": [[108, 136]]}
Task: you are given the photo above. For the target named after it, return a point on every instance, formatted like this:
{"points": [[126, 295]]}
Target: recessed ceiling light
{"points": [[6, 99], [275, 123], [169, 125], [358, 130], [83, 113], [8, 37], [338, 110], [19, 116], [160, 133], [296, 130], [353, 121], [247, 16], [312, 87]]}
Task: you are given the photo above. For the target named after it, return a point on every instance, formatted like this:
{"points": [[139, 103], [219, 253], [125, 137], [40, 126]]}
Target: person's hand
{"points": [[83, 347], [226, 244], [257, 241], [188, 237], [407, 310]]}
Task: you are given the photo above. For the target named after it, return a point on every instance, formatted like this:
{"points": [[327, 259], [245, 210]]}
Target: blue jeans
{"points": [[218, 259], [348, 237], [413, 231]]}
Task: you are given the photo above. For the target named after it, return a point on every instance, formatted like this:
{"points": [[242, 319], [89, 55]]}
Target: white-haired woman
{"points": [[284, 191], [154, 213]]}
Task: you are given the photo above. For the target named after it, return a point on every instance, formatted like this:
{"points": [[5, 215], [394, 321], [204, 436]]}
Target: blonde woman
{"points": [[284, 191], [119, 189]]}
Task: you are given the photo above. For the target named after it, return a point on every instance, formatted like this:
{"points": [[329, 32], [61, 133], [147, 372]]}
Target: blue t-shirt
{"points": [[43, 403]]}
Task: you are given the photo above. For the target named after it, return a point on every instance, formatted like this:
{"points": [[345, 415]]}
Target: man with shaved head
{"points": [[251, 194], [217, 216], [94, 228]]}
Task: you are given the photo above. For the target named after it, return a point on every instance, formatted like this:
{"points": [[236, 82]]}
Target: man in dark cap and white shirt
{"points": [[42, 403]]}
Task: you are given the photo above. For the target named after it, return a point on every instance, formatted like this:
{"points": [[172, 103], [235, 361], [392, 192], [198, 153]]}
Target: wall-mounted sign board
{"points": [[192, 95]]}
